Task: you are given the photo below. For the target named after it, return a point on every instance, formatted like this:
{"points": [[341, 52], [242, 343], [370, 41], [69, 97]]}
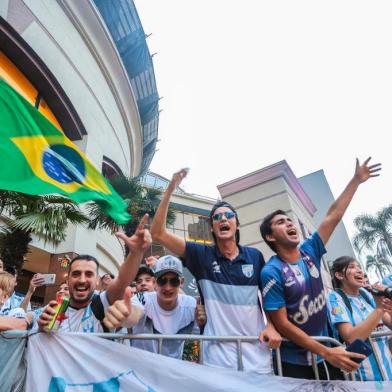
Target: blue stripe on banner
{"points": [[382, 345], [373, 368]]}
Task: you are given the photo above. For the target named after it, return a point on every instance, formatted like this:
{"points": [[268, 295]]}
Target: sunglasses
{"points": [[227, 214], [174, 282]]}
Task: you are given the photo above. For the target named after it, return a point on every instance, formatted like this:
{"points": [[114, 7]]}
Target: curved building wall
{"points": [[128, 35], [73, 42]]}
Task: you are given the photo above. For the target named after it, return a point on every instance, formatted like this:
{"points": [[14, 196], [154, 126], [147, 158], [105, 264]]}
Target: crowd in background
{"points": [[240, 295]]}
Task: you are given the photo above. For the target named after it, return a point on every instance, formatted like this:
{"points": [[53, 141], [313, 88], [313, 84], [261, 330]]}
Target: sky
{"points": [[245, 84]]}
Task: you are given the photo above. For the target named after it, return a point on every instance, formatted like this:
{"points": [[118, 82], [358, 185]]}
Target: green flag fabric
{"points": [[36, 158]]}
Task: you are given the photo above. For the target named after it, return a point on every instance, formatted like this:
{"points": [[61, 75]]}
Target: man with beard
{"points": [[293, 291], [87, 309], [228, 276]]}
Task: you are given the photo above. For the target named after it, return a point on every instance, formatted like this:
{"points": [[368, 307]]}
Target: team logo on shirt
{"points": [[309, 307], [216, 267], [336, 310], [314, 272], [247, 270], [290, 281]]}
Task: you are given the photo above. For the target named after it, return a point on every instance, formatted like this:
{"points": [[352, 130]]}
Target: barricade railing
{"points": [[239, 340], [372, 338]]}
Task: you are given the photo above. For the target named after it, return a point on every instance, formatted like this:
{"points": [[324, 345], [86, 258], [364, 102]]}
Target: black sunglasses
{"points": [[174, 282], [227, 214]]}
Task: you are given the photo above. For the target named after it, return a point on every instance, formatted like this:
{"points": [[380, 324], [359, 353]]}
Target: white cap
{"points": [[167, 264]]}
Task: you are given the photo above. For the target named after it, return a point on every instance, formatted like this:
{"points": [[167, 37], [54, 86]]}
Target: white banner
{"points": [[68, 363]]}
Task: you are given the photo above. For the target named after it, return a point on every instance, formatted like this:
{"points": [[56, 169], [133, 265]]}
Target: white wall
{"points": [[69, 39]]}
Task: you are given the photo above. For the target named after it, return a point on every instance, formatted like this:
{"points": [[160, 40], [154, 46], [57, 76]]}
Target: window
{"points": [[110, 169]]}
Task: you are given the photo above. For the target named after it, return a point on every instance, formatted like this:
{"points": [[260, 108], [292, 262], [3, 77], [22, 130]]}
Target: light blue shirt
{"points": [[339, 313]]}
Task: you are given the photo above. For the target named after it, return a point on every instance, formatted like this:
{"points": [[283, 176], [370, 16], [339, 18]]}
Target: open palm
{"points": [[364, 172]]}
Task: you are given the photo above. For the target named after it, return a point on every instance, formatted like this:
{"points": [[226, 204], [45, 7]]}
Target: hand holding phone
{"points": [[360, 347], [48, 278]]}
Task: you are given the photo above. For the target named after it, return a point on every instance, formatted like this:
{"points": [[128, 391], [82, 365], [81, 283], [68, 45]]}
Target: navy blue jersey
{"points": [[299, 288], [230, 293]]}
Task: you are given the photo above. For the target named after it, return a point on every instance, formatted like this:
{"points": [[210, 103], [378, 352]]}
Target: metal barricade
{"points": [[238, 340], [199, 338], [321, 339], [372, 338], [221, 339]]}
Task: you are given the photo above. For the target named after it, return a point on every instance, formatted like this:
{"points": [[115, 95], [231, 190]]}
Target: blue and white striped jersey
{"points": [[230, 293], [339, 313]]}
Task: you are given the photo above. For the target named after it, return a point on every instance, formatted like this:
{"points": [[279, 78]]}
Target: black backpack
{"points": [[98, 311]]}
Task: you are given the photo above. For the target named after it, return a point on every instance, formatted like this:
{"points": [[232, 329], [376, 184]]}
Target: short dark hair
{"points": [[144, 269], [83, 257], [11, 270], [228, 205], [340, 265], [107, 273], [265, 227]]}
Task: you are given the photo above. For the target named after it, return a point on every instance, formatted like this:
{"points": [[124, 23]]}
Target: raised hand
{"points": [[151, 261], [141, 240], [176, 179], [364, 171], [119, 311], [36, 281]]}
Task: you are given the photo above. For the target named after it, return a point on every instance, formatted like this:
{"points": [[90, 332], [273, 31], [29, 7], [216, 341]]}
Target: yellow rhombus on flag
{"points": [[36, 158]]}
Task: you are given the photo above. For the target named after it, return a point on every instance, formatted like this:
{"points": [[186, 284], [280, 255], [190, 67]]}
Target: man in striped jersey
{"points": [[228, 277]]}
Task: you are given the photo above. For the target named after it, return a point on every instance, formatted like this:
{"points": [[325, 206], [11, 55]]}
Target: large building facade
{"points": [[317, 187], [86, 66]]}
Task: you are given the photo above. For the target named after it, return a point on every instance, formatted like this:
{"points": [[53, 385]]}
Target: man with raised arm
{"points": [[87, 309], [293, 291], [228, 278]]}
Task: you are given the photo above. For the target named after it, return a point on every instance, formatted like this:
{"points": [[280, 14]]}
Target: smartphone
{"points": [[360, 347], [49, 278]]}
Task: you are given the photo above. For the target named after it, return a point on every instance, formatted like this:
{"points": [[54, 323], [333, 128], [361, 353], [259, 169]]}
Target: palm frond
{"points": [[140, 200]]}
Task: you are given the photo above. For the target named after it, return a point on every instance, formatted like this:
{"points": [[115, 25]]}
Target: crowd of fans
{"points": [[240, 295]]}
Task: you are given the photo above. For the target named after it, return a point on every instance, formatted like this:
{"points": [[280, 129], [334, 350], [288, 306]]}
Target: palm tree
{"points": [[375, 232], [140, 200], [379, 265], [23, 215]]}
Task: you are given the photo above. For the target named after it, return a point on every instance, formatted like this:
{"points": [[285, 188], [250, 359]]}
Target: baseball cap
{"points": [[143, 269], [167, 264]]}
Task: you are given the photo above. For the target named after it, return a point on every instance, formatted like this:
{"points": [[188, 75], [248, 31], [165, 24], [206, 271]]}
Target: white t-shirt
{"points": [[83, 319], [180, 320]]}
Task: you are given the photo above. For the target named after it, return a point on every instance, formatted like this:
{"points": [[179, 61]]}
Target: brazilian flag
{"points": [[36, 158]]}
